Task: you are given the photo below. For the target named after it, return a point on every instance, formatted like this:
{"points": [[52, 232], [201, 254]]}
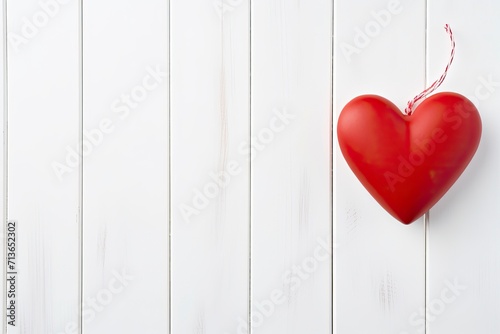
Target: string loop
{"points": [[411, 104]]}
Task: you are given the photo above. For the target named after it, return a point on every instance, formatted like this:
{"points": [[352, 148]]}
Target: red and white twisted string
{"points": [[438, 82]]}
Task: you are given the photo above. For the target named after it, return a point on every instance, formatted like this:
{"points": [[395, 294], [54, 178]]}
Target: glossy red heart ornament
{"points": [[408, 162]]}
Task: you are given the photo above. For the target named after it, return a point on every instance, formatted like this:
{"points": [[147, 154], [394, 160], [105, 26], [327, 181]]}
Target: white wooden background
{"points": [[211, 196]]}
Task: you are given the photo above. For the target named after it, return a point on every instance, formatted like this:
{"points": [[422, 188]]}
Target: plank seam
{"points": [[332, 157], [250, 174], [427, 215], [80, 172], [169, 257]]}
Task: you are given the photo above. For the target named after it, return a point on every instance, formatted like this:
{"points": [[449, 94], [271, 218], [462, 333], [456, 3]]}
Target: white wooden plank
{"points": [[463, 231], [3, 162], [379, 262], [291, 170], [43, 110], [209, 121], [125, 100]]}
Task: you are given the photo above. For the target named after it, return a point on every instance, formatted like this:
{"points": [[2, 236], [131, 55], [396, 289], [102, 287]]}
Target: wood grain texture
{"points": [[463, 228], [43, 110], [125, 180], [379, 263], [291, 167], [215, 198], [210, 174]]}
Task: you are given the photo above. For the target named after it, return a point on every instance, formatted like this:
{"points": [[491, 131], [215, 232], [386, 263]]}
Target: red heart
{"points": [[408, 162]]}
